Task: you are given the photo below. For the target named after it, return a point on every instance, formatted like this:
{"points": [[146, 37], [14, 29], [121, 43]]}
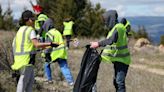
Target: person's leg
{"points": [[68, 38], [121, 72], [31, 80], [47, 67], [114, 78], [23, 80], [66, 71]]}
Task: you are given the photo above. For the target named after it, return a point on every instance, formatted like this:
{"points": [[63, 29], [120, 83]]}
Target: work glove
{"points": [[54, 44], [38, 36]]}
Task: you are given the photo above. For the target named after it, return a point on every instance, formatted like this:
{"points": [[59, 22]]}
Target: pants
{"points": [[64, 69], [26, 79], [68, 39], [120, 72]]}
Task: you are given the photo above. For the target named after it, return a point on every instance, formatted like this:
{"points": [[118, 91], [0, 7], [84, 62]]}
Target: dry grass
{"points": [[138, 80]]}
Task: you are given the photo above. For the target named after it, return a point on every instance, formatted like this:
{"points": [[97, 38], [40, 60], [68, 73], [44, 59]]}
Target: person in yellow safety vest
{"points": [[116, 51], [58, 54], [127, 26], [69, 29], [24, 53], [41, 18]]}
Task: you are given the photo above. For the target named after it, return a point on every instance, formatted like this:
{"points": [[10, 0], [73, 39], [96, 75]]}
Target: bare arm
{"points": [[37, 44]]}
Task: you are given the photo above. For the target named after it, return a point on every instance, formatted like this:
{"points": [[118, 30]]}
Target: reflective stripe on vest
{"points": [[116, 55], [116, 48], [22, 45]]}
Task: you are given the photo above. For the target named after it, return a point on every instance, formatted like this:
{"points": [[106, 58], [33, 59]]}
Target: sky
{"points": [[124, 8], [134, 7]]}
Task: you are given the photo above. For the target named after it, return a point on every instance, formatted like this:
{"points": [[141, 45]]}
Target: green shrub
{"points": [[162, 40]]}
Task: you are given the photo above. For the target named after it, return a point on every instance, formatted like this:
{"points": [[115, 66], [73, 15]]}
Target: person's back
{"points": [[68, 29]]}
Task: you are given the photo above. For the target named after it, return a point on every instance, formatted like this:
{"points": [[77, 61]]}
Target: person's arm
{"points": [[105, 42], [110, 40], [37, 44]]}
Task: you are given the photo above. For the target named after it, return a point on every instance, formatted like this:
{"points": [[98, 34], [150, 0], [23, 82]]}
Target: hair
{"points": [[26, 15]]}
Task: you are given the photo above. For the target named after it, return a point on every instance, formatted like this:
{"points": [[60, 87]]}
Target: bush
{"points": [[141, 33], [162, 40]]}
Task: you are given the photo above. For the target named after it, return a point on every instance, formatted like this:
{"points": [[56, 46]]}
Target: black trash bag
{"points": [[87, 76], [110, 18]]}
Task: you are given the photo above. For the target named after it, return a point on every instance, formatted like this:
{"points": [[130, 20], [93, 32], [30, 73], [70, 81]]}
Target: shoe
{"points": [[71, 84], [49, 81]]}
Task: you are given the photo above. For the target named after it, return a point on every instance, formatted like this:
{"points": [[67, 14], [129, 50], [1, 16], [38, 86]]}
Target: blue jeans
{"points": [[64, 69], [120, 72]]}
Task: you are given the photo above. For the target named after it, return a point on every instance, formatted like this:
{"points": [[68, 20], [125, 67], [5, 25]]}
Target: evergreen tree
{"points": [[162, 40], [1, 18], [87, 18], [141, 33], [6, 19]]}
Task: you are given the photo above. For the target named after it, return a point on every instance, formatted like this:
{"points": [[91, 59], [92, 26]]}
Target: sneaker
{"points": [[71, 84], [49, 81]]}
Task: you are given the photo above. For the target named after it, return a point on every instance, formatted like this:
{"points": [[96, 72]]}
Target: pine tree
{"points": [[6, 19], [1, 18], [87, 18]]}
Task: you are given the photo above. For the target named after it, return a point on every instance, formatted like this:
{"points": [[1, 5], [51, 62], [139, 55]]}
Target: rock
{"points": [[161, 48], [142, 42], [144, 45]]}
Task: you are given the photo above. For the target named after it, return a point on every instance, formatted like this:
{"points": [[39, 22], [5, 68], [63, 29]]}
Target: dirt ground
{"points": [[146, 73]]}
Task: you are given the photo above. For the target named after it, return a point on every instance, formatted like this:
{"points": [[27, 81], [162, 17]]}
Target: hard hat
{"points": [[37, 9]]}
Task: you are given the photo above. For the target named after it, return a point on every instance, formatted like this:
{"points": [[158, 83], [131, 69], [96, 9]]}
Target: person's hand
{"points": [[94, 44], [54, 44], [38, 36]]}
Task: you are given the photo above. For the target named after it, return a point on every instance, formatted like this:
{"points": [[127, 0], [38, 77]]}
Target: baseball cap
{"points": [[26, 15]]}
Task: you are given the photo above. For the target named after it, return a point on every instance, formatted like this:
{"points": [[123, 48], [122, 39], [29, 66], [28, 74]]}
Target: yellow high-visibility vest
{"points": [[68, 28], [41, 17], [22, 47], [60, 51], [117, 51]]}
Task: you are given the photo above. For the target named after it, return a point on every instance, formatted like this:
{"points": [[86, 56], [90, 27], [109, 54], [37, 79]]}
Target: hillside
{"points": [[145, 73], [154, 26]]}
